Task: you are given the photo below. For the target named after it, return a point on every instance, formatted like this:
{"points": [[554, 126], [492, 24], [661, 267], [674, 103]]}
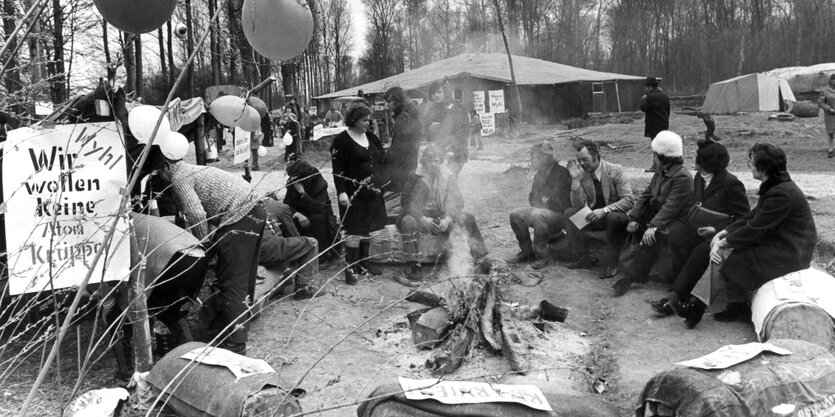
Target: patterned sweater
{"points": [[210, 195]]}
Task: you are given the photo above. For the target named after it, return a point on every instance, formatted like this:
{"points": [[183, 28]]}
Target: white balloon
{"points": [[277, 29], [288, 139], [142, 120], [175, 147], [262, 151]]}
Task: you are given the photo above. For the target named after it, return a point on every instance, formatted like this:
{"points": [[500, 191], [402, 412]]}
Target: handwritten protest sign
{"points": [[496, 101], [488, 124], [241, 146], [478, 101], [61, 189]]}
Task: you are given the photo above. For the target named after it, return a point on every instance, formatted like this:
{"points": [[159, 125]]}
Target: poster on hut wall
{"points": [[241, 146], [488, 124], [496, 101], [478, 101], [62, 188]]}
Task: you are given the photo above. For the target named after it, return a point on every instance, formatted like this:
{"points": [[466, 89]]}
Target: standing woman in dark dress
{"points": [[356, 157]]}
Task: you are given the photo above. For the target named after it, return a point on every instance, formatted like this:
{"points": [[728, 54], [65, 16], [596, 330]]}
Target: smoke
{"points": [[460, 261]]}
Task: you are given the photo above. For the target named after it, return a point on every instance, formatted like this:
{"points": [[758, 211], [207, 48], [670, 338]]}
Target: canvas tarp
{"points": [[751, 93], [805, 79]]}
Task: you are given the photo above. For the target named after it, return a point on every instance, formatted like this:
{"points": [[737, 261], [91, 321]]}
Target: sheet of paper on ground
{"points": [[470, 392], [730, 355]]}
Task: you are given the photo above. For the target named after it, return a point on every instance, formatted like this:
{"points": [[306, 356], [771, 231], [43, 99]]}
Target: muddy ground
{"points": [[341, 345]]}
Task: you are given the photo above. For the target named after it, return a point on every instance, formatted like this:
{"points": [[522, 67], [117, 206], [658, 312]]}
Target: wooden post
{"points": [[509, 60], [142, 356]]}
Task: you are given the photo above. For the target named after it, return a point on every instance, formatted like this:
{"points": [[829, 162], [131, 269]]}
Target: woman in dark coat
{"points": [[307, 195], [775, 239], [714, 188], [402, 156], [356, 157]]}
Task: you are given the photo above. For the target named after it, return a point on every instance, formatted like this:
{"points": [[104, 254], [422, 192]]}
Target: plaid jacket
{"points": [[617, 191]]}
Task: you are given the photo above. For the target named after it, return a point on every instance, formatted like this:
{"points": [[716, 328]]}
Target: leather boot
{"points": [[351, 271], [123, 351], [365, 263]]}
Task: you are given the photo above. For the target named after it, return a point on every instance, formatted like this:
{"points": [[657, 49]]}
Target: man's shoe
{"points": [[239, 348], [609, 272], [622, 286], [734, 312], [540, 263], [404, 281], [523, 257], [307, 292], [662, 307], [585, 262], [693, 310]]}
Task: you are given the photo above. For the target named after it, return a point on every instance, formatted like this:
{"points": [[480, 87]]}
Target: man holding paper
{"points": [[548, 200], [602, 189]]}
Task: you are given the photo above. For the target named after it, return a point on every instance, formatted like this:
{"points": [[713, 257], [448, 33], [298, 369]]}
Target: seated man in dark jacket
{"points": [[549, 198], [434, 205], [307, 195], [282, 247]]}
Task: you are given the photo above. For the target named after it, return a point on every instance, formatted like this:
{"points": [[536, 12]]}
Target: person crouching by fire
{"points": [[434, 206]]}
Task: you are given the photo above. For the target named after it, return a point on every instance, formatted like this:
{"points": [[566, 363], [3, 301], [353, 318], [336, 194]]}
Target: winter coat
{"points": [[656, 105], [724, 194], [356, 172], [553, 183], [666, 199], [776, 238], [401, 159]]}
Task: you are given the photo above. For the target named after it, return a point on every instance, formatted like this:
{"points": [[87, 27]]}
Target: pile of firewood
{"points": [[461, 315]]}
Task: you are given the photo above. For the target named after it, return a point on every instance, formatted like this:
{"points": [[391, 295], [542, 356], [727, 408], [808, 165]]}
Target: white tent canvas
{"points": [[752, 92]]}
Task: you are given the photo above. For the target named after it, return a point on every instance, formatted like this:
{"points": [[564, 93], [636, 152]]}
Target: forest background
{"points": [[688, 43]]}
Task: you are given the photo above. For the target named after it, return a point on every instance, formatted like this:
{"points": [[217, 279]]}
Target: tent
{"points": [[805, 80], [752, 92]]}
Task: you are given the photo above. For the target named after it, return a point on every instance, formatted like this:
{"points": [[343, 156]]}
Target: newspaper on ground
{"points": [[470, 392], [240, 366], [730, 355]]}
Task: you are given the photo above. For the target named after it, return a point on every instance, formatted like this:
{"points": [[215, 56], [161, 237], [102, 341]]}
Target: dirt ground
{"points": [[342, 345]]}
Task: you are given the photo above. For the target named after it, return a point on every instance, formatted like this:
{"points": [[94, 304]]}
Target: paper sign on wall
{"points": [[488, 124], [62, 188], [241, 147], [496, 101], [478, 101]]}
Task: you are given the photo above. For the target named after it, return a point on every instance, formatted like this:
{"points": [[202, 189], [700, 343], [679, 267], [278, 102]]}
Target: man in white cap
{"points": [[660, 212]]}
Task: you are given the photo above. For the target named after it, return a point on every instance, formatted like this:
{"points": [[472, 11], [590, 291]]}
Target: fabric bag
{"points": [[702, 217], [629, 251]]}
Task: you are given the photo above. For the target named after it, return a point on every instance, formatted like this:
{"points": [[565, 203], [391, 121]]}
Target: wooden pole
{"points": [[513, 85]]}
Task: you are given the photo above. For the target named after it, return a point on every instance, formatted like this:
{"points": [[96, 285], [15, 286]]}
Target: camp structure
{"points": [[805, 82], [550, 92], [748, 93]]}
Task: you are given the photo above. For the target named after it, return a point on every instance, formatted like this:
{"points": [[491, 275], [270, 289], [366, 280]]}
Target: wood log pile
{"points": [[466, 313]]}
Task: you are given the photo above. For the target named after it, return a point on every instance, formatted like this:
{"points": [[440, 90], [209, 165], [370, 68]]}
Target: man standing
{"points": [[451, 132], [656, 105], [603, 187], [549, 198]]}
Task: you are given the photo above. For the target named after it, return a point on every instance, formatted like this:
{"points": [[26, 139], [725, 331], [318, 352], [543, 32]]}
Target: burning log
{"points": [[425, 298], [487, 317], [512, 346]]}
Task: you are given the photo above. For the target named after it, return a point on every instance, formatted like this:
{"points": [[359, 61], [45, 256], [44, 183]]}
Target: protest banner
{"points": [[478, 101], [61, 188], [241, 146], [488, 124], [496, 101]]}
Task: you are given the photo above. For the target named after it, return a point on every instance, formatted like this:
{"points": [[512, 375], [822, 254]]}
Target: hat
{"points": [[667, 143], [651, 81], [543, 147]]}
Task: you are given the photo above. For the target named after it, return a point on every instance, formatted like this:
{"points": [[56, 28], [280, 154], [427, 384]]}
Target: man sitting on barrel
{"points": [[549, 198], [433, 206]]}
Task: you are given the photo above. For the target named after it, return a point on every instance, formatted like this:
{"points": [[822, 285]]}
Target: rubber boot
{"points": [[351, 271], [123, 351], [365, 263]]}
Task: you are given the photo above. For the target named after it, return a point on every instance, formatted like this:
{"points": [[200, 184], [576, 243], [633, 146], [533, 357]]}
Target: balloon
{"points": [[251, 122], [277, 29], [136, 16], [262, 151], [142, 120], [228, 110], [288, 139], [175, 147], [258, 104]]}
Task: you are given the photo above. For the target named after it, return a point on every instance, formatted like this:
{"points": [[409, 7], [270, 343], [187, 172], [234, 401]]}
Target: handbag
{"points": [[630, 250], [703, 217]]}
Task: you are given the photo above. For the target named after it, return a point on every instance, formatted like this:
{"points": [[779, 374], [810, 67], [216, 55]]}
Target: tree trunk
{"points": [[137, 50], [56, 68], [172, 70], [11, 79], [105, 42], [162, 62], [130, 63], [514, 87], [214, 47], [190, 50]]}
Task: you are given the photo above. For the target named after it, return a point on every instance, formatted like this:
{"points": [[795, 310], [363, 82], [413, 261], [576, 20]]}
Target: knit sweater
{"points": [[209, 195]]}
